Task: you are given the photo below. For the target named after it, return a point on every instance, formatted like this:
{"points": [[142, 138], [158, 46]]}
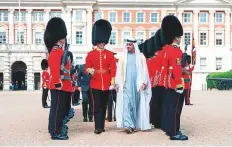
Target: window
{"points": [[187, 17], [79, 37], [203, 63], [125, 36], [112, 16], [79, 16], [152, 33], [78, 60], [3, 15], [203, 39], [55, 14], [218, 63], [126, 17], [37, 16], [140, 37], [187, 38], [219, 38], [22, 16], [140, 17], [219, 17], [3, 38], [38, 38], [20, 37], [98, 15], [154, 17], [113, 38], [203, 17]]}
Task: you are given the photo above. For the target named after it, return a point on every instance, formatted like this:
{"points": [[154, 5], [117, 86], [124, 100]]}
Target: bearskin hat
{"points": [[55, 30], [44, 64], [143, 48], [70, 55], [189, 60], [159, 43], [101, 32], [171, 28]]}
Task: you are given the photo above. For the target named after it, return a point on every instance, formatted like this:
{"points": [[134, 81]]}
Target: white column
{"points": [[196, 21], [11, 26], [211, 30], [46, 17], [68, 22], [29, 27], [227, 38], [163, 14], [180, 15], [30, 75], [6, 75], [89, 28]]}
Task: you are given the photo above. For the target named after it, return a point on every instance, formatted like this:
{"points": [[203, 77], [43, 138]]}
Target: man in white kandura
{"points": [[133, 89]]}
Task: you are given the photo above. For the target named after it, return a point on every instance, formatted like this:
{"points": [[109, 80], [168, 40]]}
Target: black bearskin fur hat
{"points": [[55, 30], [171, 28], [70, 55], [44, 64], [158, 41], [101, 32], [143, 48], [189, 60]]}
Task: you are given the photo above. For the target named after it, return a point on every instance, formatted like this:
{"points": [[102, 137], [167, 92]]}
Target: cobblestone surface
{"points": [[23, 121]]}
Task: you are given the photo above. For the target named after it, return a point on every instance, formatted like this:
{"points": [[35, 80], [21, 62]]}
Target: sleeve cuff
{"points": [[58, 85], [113, 81]]}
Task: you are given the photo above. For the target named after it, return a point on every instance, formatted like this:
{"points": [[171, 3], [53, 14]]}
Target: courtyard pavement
{"points": [[23, 121]]}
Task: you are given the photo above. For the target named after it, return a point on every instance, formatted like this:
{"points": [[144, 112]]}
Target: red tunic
{"points": [[171, 66], [104, 64], [162, 68], [45, 79], [187, 77], [156, 66], [54, 62]]}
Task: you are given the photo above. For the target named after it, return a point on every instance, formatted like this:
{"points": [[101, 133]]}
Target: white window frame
{"points": [[38, 16], [116, 16], [223, 38], [137, 36], [223, 18], [207, 17], [2, 17], [81, 37], [217, 64], [203, 65], [38, 38], [190, 42], [6, 35], [207, 38], [76, 16], [129, 17], [55, 14], [190, 21], [157, 17], [95, 13], [144, 17], [16, 16], [116, 38], [24, 36], [130, 34]]}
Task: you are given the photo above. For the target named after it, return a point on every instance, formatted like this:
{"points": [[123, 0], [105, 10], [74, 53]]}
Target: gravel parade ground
{"points": [[23, 121]]}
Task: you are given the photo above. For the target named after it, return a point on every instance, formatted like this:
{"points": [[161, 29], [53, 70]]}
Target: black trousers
{"points": [[57, 111], [87, 105], [75, 97], [172, 112], [156, 106], [44, 97], [112, 98], [100, 99], [68, 103]]}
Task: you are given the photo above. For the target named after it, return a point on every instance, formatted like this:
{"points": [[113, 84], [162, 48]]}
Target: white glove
{"points": [[111, 87], [180, 91], [91, 71]]}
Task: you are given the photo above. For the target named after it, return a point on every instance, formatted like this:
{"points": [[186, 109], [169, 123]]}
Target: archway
{"points": [[18, 75]]}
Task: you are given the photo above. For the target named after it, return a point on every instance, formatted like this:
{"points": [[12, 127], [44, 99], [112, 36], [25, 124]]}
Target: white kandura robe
{"points": [[143, 108]]}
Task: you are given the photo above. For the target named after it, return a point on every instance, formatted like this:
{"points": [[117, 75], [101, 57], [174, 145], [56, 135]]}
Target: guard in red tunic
{"points": [[172, 31], [60, 80], [100, 64], [45, 82], [187, 80], [157, 91]]}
